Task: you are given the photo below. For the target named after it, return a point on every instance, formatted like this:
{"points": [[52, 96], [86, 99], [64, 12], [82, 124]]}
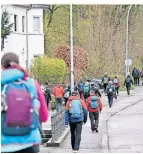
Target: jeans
{"points": [[75, 129], [58, 103], [128, 87], [110, 99], [33, 149], [94, 119]]}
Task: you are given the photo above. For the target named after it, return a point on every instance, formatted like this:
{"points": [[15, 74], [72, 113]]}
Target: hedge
{"points": [[51, 70]]}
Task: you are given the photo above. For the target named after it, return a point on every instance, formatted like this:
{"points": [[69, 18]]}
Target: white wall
{"points": [[16, 42]]}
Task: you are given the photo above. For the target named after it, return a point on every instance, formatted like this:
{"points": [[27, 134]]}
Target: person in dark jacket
{"points": [[128, 82], [95, 89], [110, 93], [141, 75], [136, 76], [47, 94], [80, 89], [74, 107], [67, 93]]}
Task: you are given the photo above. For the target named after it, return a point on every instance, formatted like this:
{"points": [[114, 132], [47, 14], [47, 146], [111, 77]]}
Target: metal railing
{"points": [[58, 123]]}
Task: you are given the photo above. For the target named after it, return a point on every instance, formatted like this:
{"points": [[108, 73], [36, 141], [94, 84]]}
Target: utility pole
{"points": [[71, 50], [27, 40], [127, 40]]}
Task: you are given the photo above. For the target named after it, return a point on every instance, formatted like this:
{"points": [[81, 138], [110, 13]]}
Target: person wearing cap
{"points": [[94, 106], [105, 81], [110, 93], [75, 116]]}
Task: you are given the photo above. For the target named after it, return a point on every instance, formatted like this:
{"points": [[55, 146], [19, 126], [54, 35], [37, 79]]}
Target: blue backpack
{"points": [[86, 89], [93, 102], [75, 110]]}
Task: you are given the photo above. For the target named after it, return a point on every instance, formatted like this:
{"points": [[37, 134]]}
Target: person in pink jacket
{"points": [[29, 143]]}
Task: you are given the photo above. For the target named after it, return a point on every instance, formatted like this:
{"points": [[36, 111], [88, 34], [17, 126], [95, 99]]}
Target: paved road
{"points": [[126, 128], [92, 142]]}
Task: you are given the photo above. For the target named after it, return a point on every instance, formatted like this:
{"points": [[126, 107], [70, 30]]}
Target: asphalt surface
{"points": [[127, 120]]}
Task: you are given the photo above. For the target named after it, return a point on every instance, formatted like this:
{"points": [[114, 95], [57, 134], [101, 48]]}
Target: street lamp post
{"points": [[27, 41], [71, 51], [127, 39]]}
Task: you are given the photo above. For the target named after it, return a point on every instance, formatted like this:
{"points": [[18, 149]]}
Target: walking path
{"points": [[95, 142]]}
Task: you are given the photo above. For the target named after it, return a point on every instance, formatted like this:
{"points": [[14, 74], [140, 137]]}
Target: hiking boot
{"points": [[96, 130]]}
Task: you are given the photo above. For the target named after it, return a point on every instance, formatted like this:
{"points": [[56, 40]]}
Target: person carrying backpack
{"points": [[23, 108], [86, 90], [67, 93], [128, 82], [110, 93], [76, 115], [58, 92], [105, 81], [141, 74], [80, 88], [94, 106], [47, 94], [95, 89], [136, 74], [116, 84]]}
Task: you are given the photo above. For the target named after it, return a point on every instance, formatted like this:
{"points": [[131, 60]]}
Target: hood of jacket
{"points": [[10, 75], [71, 98]]}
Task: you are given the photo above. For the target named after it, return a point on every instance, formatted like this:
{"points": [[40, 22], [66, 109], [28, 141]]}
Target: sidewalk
{"points": [[94, 142], [127, 135], [90, 142]]}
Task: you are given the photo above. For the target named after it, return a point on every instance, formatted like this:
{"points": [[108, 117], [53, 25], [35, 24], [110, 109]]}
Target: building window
{"points": [[36, 24], [23, 23], [15, 23]]}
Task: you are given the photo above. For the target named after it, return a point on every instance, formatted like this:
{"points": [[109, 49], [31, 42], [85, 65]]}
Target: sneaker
{"points": [[75, 151]]}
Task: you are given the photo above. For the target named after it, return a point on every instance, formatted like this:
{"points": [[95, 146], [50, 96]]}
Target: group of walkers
{"points": [[24, 106], [76, 112], [137, 75]]}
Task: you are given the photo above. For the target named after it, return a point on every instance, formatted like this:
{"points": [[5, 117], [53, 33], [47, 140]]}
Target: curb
{"points": [[105, 144], [60, 140]]}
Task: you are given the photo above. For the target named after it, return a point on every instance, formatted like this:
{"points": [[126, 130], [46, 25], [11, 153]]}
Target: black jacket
{"points": [[47, 95], [96, 90], [129, 83]]}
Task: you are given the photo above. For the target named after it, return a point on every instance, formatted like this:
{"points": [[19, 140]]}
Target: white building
{"points": [[27, 38]]}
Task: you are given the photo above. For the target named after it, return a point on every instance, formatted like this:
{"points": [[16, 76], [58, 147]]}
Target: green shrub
{"points": [[50, 70]]}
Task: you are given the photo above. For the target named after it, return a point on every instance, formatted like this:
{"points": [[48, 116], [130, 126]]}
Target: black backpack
{"points": [[128, 80]]}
